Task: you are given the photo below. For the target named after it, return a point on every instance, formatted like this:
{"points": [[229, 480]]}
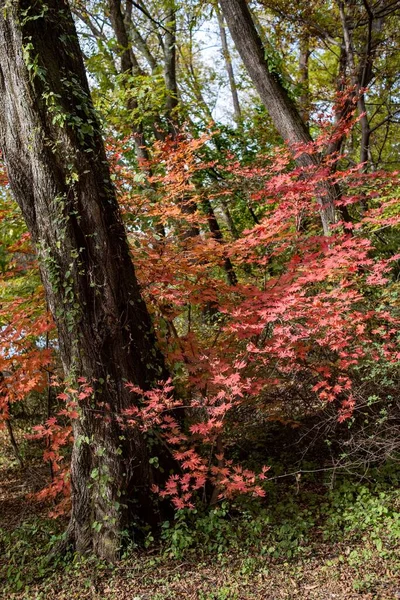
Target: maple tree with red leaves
{"points": [[301, 309]]}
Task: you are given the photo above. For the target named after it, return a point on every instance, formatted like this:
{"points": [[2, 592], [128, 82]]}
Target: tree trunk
{"points": [[282, 110], [360, 77], [129, 67], [9, 428], [284, 114], [58, 172], [216, 233], [304, 55], [13, 443], [170, 70], [228, 65]]}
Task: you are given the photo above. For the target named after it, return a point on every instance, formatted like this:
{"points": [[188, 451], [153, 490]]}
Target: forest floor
{"points": [[340, 570]]}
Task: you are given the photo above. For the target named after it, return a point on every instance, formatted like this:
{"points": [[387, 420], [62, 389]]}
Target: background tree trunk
{"points": [[304, 55], [59, 176], [170, 69], [129, 67], [282, 110], [228, 65]]}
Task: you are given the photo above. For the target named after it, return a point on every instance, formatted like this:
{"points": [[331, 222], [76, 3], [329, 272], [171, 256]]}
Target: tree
{"points": [[228, 65], [281, 108], [357, 43], [58, 173], [299, 317]]}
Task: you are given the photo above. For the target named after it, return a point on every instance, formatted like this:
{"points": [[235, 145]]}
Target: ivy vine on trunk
{"points": [[59, 175]]}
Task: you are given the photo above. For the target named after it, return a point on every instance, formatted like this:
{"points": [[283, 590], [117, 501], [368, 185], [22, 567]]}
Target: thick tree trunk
{"points": [[59, 176], [282, 110]]}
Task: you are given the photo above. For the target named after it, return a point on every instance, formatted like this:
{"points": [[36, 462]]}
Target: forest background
{"points": [[226, 387]]}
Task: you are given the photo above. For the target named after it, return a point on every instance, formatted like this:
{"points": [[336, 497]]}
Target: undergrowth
{"points": [[356, 523]]}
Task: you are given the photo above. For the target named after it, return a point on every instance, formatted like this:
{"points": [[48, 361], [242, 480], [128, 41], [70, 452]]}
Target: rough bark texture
{"points": [[59, 176], [282, 110]]}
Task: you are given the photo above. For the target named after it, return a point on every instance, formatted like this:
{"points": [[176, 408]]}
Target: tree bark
{"points": [[58, 172], [171, 85], [216, 233], [282, 110], [9, 428], [304, 55], [361, 76], [228, 66], [13, 443], [129, 67]]}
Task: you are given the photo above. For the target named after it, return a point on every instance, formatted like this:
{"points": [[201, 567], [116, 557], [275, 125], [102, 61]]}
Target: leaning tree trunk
{"points": [[282, 110], [58, 172]]}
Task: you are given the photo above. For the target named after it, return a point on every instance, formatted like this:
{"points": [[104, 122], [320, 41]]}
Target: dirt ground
{"points": [[328, 574]]}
